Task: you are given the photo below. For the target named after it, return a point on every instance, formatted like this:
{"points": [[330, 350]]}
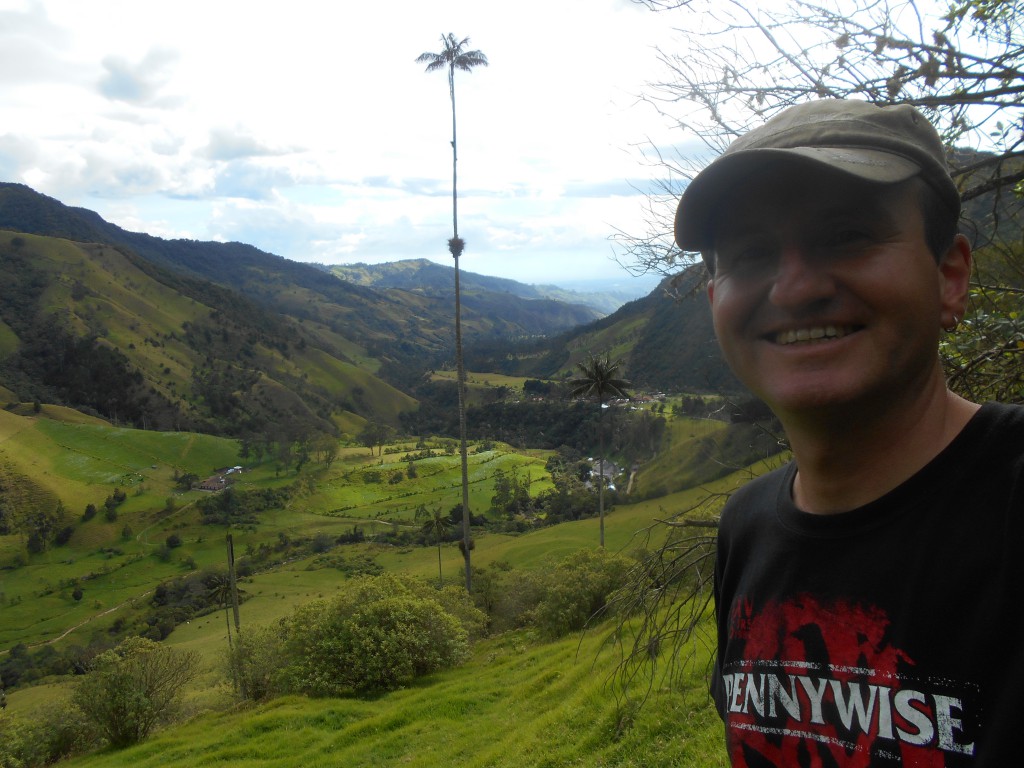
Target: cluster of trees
{"points": [[537, 424], [233, 507], [379, 634], [53, 365], [564, 596], [23, 665]]}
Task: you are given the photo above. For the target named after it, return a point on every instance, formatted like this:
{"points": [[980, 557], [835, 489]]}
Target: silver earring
{"points": [[954, 326]]}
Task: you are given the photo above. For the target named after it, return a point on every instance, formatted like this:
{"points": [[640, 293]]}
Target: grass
{"points": [[516, 703]]}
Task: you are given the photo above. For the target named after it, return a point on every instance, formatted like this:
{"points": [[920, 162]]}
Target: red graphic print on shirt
{"points": [[818, 685]]}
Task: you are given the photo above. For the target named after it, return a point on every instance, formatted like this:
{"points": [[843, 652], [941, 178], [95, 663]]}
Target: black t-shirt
{"points": [[888, 635]]}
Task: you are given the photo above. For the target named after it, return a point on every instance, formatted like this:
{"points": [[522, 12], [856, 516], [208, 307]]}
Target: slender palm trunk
{"points": [[455, 160], [461, 375], [440, 576], [460, 369]]}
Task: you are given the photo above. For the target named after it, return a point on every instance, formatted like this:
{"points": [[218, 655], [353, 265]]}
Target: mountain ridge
{"points": [[429, 277]]}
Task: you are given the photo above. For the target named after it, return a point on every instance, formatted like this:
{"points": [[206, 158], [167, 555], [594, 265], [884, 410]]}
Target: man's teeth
{"points": [[811, 334]]}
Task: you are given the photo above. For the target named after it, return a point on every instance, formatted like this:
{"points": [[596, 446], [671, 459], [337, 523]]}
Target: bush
{"points": [[134, 687], [509, 597], [379, 634], [51, 734], [257, 663], [577, 589]]}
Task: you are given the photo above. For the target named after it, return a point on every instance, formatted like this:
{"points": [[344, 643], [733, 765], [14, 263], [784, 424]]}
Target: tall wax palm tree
{"points": [[455, 56], [597, 380]]}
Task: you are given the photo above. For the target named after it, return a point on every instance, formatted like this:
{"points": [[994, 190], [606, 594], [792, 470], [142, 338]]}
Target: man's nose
{"points": [[800, 278]]}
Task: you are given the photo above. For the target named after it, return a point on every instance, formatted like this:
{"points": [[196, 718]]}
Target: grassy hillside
{"points": [[516, 704], [202, 360]]}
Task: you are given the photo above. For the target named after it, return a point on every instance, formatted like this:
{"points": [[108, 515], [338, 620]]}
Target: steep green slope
{"points": [[666, 341], [156, 350], [515, 705]]}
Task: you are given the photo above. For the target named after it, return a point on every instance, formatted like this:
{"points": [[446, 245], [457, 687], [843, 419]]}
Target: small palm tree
{"points": [[455, 56], [436, 525], [220, 592], [597, 380]]}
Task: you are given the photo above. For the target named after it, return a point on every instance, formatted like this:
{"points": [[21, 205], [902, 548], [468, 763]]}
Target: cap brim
{"points": [[711, 187]]}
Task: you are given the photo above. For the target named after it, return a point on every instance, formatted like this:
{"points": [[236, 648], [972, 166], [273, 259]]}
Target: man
{"points": [[869, 593]]}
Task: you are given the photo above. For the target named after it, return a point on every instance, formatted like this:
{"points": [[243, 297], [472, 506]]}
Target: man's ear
{"points": [[955, 274], [711, 289]]}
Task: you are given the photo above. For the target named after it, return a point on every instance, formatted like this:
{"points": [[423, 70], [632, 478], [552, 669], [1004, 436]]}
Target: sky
{"points": [[308, 130]]}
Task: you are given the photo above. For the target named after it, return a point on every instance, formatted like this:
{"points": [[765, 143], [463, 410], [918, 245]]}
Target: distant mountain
{"points": [[665, 340], [429, 278], [397, 325]]}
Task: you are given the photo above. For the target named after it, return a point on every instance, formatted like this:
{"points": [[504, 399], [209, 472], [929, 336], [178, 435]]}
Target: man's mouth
{"points": [[812, 334]]}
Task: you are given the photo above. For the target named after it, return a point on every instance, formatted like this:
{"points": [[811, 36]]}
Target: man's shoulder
{"points": [[758, 495], [1003, 414], [769, 482], [1000, 427]]}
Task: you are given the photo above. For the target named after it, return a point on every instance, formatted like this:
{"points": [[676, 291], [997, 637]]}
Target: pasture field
{"points": [[518, 702]]}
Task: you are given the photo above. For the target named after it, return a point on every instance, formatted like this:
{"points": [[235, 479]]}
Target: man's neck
{"points": [[844, 463]]}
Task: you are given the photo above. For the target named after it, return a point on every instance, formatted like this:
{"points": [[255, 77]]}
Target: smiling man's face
{"points": [[825, 293]]}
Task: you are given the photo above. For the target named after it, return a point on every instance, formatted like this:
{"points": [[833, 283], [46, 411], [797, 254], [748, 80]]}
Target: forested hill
{"points": [[665, 341]]}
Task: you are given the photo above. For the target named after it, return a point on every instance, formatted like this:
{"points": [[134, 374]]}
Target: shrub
{"points": [[257, 663], [510, 597], [379, 634], [134, 687], [577, 589], [64, 535], [53, 733]]}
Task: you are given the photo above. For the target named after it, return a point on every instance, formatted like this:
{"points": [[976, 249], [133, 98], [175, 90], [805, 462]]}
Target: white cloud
{"points": [[307, 129], [140, 82]]}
